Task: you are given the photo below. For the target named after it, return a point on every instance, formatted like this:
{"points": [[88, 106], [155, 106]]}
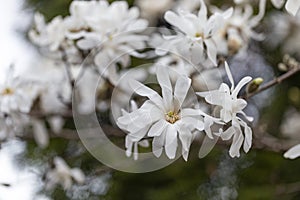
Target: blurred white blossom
{"points": [[195, 39], [63, 175]]}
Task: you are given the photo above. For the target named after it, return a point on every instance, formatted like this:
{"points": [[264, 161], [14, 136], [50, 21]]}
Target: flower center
{"points": [[7, 91], [172, 117], [199, 35]]}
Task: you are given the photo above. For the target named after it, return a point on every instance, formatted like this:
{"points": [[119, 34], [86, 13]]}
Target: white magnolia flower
{"points": [[166, 118], [12, 124], [62, 174], [293, 152], [238, 29], [16, 95], [50, 35], [196, 41], [116, 28], [230, 107]]}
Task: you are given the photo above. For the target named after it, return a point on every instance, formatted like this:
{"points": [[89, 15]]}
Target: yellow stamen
{"points": [[198, 35], [172, 117], [7, 91]]}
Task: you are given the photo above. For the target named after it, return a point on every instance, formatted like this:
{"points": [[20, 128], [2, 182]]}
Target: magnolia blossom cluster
{"points": [[175, 118], [115, 29]]}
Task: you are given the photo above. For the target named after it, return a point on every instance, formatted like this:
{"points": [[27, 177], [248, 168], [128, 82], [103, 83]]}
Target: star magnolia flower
{"points": [[62, 174], [16, 96], [197, 41], [116, 28], [230, 106], [50, 35], [165, 118], [238, 29]]}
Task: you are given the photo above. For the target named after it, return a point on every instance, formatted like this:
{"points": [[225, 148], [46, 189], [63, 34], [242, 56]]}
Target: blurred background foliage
{"points": [[258, 175]]}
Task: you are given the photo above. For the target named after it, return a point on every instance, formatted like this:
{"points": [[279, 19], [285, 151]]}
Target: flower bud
{"points": [[254, 85]]}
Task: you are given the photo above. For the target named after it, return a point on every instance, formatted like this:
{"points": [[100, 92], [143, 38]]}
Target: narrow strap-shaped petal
{"points": [[171, 141], [229, 75], [179, 22], [241, 84], [142, 90], [185, 137], [158, 143], [211, 51], [181, 89], [202, 14], [293, 152], [237, 142], [157, 128], [164, 81], [226, 135]]}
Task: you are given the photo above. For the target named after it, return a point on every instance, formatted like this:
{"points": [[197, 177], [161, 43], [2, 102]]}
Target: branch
{"points": [[275, 81]]}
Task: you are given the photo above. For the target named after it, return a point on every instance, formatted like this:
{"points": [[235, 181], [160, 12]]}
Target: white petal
{"points": [[292, 6], [40, 133], [202, 14], [239, 105], [193, 123], [158, 143], [229, 75], [293, 152], [211, 51], [241, 84], [237, 142], [157, 128], [128, 145], [142, 90], [226, 135], [248, 138], [185, 137], [171, 141], [135, 151], [164, 81], [78, 175], [181, 89], [179, 22], [278, 3], [56, 123]]}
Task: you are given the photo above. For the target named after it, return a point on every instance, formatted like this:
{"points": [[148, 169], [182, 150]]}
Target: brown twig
{"points": [[275, 81]]}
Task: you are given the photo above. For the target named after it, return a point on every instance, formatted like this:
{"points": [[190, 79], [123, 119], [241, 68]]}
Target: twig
{"points": [[275, 81]]}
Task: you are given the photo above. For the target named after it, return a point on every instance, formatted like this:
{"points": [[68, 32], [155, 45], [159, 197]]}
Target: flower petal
{"points": [[292, 6], [171, 141], [157, 128], [241, 84], [211, 51], [142, 90], [181, 89], [293, 152], [237, 142], [164, 81]]}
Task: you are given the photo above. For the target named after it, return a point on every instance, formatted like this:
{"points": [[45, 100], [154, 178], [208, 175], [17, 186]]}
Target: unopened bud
{"points": [[254, 85], [283, 67]]}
